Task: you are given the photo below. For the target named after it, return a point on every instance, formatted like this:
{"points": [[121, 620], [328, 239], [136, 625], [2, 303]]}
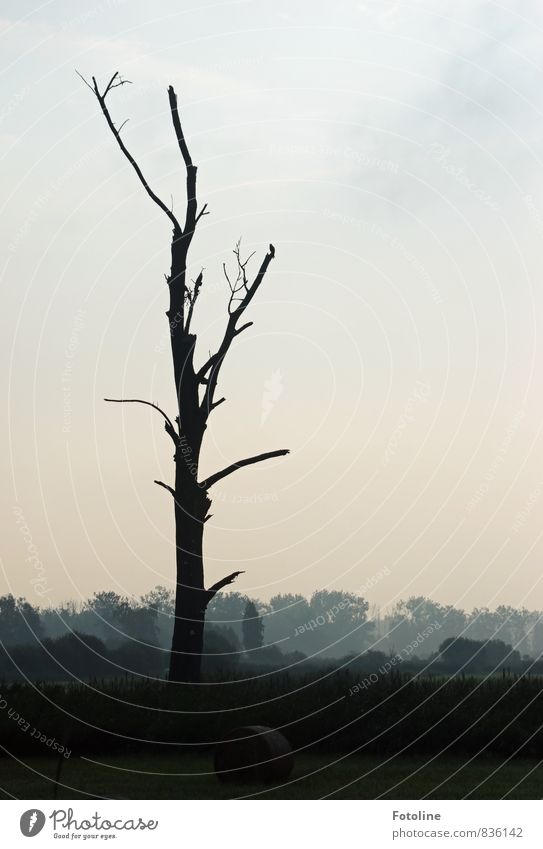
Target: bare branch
{"points": [[84, 80], [110, 83], [240, 288], [177, 127], [215, 361], [256, 282], [243, 327], [217, 403], [115, 82], [249, 461], [223, 583], [190, 219], [203, 211], [193, 297], [242, 265], [227, 277], [170, 489], [169, 428]]}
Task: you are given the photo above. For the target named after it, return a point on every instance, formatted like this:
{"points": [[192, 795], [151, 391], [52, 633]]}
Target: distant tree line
{"points": [[110, 635], [518, 627]]}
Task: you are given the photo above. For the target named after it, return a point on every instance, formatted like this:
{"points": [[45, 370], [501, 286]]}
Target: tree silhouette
{"points": [[195, 390], [253, 629], [20, 622]]}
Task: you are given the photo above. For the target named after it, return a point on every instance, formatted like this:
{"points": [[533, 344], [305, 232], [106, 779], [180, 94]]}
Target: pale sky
{"points": [[393, 154]]}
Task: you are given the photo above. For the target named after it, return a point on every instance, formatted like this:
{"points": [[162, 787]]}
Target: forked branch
{"points": [[209, 373], [223, 583], [115, 82]]}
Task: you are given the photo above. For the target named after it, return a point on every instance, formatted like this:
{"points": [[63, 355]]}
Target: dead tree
{"points": [[195, 390]]}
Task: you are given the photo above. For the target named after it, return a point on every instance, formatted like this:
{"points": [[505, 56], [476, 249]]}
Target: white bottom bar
{"points": [[272, 824]]}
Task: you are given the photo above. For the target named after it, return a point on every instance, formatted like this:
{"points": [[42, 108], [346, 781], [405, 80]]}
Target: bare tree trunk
{"points": [[191, 505], [190, 598], [191, 501], [190, 495]]}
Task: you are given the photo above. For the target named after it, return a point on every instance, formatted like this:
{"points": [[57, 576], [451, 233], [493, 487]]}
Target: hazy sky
{"points": [[393, 153]]}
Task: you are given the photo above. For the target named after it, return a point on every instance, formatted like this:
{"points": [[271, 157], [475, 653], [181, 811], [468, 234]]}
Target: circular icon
{"points": [[32, 822]]}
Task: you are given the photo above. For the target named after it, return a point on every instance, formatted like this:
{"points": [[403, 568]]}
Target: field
{"points": [[397, 714], [405, 737], [314, 776]]}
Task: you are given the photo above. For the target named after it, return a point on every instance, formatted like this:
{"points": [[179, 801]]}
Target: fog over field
{"points": [[392, 154]]}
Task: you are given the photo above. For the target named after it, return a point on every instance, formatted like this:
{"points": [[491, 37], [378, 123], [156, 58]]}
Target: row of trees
{"points": [[328, 624], [518, 627]]}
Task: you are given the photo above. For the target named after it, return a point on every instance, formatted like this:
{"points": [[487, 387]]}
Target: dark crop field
{"points": [[402, 736], [500, 715]]}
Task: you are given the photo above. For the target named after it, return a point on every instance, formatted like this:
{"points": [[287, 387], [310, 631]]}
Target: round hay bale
{"points": [[253, 754]]}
